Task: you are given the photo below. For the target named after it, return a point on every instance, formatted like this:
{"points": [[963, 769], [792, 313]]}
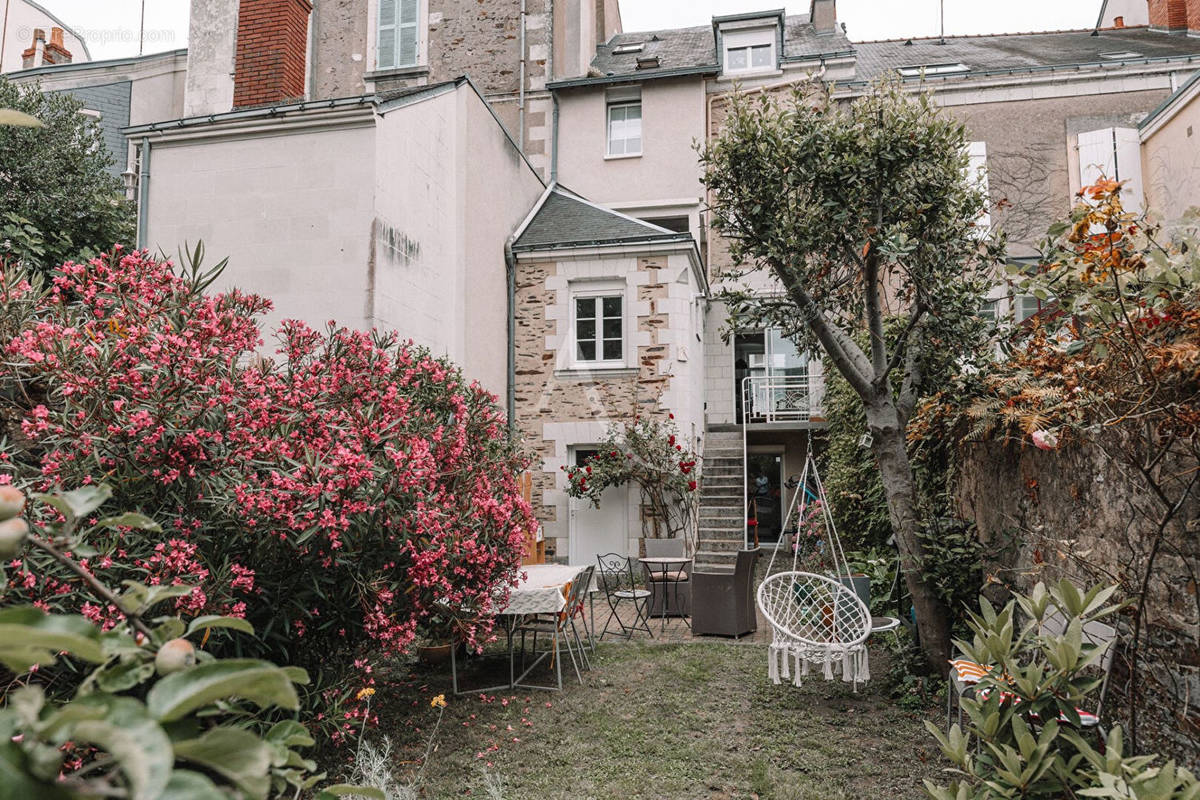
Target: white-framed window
{"points": [[625, 128], [399, 35], [1025, 306], [749, 51], [598, 326]]}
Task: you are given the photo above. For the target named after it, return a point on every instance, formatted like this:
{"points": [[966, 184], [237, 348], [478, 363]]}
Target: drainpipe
{"points": [[510, 263], [554, 139], [521, 88], [143, 194]]}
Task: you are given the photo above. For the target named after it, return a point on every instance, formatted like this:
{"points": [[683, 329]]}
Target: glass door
{"points": [[764, 501]]}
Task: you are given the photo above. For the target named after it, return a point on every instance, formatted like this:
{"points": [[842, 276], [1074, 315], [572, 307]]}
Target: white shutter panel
{"points": [[407, 46], [1096, 156], [385, 55], [1128, 158], [977, 177]]}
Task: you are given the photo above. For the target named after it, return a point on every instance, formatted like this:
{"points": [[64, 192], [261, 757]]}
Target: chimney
{"points": [[1193, 17], [823, 14], [56, 51], [1171, 16], [272, 44], [36, 54]]}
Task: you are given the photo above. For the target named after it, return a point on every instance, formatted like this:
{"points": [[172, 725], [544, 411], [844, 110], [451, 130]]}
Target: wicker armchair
{"points": [[723, 602]]}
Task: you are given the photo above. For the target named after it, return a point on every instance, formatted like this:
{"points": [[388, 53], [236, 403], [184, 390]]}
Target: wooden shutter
{"points": [[1116, 154], [385, 56], [977, 176], [406, 55]]}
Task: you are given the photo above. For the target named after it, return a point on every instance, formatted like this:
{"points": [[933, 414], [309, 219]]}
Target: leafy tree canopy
{"points": [[58, 201]]}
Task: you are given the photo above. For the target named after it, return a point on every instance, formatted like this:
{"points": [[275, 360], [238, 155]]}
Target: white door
{"points": [[595, 531]]}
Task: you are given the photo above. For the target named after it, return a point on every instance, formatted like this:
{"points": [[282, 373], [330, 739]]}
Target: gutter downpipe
{"points": [[554, 137], [510, 263], [143, 193], [521, 88]]}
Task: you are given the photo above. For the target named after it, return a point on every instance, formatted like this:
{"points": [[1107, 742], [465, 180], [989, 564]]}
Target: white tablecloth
{"points": [[541, 590]]}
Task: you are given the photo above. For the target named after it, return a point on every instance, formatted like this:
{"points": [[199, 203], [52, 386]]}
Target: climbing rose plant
{"points": [[649, 454], [333, 497]]}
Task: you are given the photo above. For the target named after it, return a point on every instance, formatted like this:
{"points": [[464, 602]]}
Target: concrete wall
{"points": [[451, 187], [1171, 163], [292, 211], [672, 118], [212, 30], [497, 189], [558, 407], [23, 18]]}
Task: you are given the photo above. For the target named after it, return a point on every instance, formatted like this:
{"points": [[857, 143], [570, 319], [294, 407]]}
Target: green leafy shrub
{"points": [[1024, 712], [60, 200], [155, 717]]}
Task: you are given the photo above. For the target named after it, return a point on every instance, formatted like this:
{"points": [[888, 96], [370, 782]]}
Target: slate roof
{"points": [[1021, 51], [564, 219], [693, 50]]}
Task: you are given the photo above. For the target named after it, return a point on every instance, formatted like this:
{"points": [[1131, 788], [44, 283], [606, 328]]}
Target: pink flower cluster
{"points": [[337, 498]]}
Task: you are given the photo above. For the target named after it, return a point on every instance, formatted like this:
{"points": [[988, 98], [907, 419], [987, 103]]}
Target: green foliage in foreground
{"points": [[155, 718], [1024, 739]]}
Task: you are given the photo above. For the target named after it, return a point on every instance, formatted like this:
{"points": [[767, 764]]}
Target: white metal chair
{"points": [[814, 620]]}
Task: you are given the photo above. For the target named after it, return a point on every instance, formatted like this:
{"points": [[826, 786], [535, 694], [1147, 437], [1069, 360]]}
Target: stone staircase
{"points": [[722, 512]]}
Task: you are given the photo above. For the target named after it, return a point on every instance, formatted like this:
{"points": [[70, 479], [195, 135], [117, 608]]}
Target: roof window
{"points": [[1121, 55], [917, 70], [621, 49]]}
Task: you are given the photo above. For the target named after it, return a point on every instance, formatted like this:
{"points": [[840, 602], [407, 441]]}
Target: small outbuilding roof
{"points": [[563, 219]]}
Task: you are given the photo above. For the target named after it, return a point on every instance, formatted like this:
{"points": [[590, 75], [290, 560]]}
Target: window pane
{"points": [[612, 306], [612, 350], [408, 11], [736, 58], [585, 307], [761, 56], [633, 112], [1027, 306], [633, 145], [585, 351], [585, 329], [612, 328]]}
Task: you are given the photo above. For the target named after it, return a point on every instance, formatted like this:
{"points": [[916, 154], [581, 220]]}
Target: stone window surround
{"points": [[422, 65], [588, 276], [598, 290]]}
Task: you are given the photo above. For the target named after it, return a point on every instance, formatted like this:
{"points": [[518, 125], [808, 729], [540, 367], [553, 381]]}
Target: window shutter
{"points": [[385, 57], [977, 176], [1128, 159], [1096, 156], [1114, 153], [407, 47]]}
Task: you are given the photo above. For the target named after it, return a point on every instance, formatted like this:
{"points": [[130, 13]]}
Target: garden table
{"points": [[540, 590], [664, 565]]}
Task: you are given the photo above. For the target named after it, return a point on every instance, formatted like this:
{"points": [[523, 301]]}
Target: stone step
{"points": [[723, 545], [725, 473], [710, 454], [723, 461], [720, 489], [720, 516], [712, 560], [720, 500]]}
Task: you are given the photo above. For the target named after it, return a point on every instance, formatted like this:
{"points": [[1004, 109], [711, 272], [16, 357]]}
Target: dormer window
{"points": [[749, 50]]}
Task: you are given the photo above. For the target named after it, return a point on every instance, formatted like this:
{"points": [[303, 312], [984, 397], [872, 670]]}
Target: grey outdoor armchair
{"points": [[723, 602]]}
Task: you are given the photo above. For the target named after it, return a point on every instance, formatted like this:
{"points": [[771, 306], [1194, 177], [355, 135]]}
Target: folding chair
{"points": [[617, 583]]}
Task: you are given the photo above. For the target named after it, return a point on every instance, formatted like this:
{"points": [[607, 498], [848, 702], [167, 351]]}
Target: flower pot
{"points": [[434, 654]]}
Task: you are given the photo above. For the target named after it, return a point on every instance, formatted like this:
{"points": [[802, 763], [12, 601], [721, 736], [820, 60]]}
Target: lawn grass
{"points": [[663, 721]]}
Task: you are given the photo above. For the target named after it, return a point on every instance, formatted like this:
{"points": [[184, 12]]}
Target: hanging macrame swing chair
{"points": [[815, 620]]}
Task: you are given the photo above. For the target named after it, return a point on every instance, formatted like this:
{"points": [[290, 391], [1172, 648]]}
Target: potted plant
{"points": [[439, 632]]}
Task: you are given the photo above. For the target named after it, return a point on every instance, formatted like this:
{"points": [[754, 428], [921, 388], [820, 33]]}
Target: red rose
{"points": [[589, 470], [671, 439], [670, 416], [691, 486]]}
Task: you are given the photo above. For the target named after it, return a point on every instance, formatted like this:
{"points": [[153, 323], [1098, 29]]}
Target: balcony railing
{"points": [[768, 398]]}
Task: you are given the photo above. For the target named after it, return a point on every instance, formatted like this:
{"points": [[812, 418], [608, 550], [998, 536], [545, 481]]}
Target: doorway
{"points": [[778, 373], [764, 490], [593, 531]]}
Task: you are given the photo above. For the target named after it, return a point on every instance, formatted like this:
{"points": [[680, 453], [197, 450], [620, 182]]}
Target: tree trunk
{"points": [[889, 447]]}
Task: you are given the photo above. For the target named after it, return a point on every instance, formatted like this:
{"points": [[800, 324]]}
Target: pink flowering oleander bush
{"points": [[336, 496]]}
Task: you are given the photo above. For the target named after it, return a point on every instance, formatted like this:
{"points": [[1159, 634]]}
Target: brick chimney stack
{"points": [[35, 55], [823, 14], [271, 57], [1171, 16], [56, 51]]}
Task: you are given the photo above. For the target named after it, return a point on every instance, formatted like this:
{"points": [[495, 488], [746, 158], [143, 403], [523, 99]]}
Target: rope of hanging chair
{"points": [[836, 553]]}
